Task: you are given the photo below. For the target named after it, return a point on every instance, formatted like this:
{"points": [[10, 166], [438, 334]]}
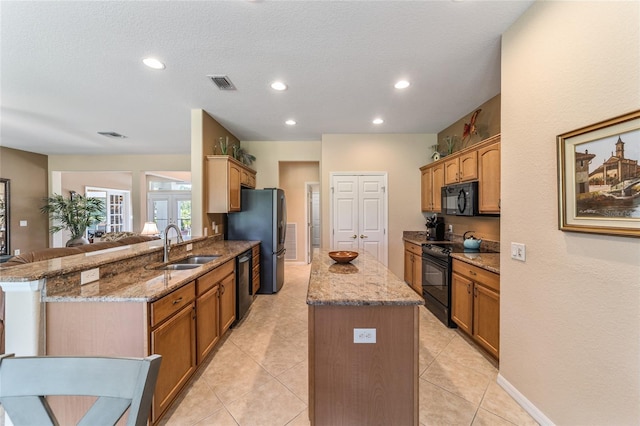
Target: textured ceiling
{"points": [[72, 69]]}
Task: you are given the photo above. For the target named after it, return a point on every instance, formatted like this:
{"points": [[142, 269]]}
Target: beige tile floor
{"points": [[258, 374]]}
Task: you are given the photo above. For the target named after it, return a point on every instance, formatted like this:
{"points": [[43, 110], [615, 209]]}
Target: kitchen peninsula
{"points": [[130, 307], [373, 382]]}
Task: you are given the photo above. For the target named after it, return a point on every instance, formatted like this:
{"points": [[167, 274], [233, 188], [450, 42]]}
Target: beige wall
{"points": [[293, 176], [269, 154], [137, 165], [28, 174], [400, 156], [570, 315]]}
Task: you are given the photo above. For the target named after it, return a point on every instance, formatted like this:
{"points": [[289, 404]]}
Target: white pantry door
{"points": [[359, 213]]}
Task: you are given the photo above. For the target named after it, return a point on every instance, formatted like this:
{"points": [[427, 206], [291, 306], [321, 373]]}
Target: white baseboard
{"points": [[524, 402]]}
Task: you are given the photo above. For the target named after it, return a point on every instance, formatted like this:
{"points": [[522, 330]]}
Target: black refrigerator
{"points": [[263, 218]]}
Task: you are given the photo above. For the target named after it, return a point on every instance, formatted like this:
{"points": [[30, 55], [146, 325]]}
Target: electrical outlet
{"points": [[23, 223], [364, 335], [189, 247], [518, 251], [89, 276], [16, 252]]}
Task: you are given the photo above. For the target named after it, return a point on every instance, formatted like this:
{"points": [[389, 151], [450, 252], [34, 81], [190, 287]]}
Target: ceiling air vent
{"points": [[222, 81], [112, 135]]}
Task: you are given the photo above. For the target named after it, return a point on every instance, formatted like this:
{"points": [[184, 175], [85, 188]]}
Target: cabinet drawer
{"points": [[413, 248], [171, 303], [213, 277], [477, 275]]}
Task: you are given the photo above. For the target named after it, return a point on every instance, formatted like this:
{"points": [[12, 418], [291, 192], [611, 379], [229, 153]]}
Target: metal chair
{"points": [[119, 384]]}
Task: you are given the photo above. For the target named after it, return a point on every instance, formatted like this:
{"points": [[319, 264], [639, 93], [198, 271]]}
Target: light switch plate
{"points": [[23, 223], [189, 247], [518, 251], [364, 335]]}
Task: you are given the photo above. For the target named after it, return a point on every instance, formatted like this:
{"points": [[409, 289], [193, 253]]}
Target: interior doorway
{"points": [[313, 218]]}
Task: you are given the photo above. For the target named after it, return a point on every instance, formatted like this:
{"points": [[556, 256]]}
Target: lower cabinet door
{"points": [[227, 302], [175, 340], [462, 302], [207, 322], [486, 321]]}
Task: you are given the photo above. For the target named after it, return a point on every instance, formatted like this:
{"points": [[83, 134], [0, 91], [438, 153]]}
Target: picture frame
{"points": [[599, 177]]}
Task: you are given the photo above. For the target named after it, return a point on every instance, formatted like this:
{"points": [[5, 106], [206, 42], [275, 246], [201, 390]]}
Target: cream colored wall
{"points": [[270, 153], [570, 315], [136, 164], [293, 175], [400, 155]]}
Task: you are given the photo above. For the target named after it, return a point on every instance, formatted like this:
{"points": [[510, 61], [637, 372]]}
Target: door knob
{"points": [[354, 236], [363, 236]]}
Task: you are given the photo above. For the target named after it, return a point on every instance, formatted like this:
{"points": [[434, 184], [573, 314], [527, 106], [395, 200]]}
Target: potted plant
{"points": [[74, 214]]}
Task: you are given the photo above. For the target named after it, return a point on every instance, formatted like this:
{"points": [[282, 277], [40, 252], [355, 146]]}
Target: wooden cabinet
{"points": [[208, 312], [255, 274], [173, 335], [475, 304], [489, 178], [224, 178], [227, 295], [461, 168], [431, 184], [480, 162], [413, 266]]}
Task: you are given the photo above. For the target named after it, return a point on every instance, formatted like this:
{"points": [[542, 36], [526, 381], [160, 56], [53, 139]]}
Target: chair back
{"points": [[119, 384]]}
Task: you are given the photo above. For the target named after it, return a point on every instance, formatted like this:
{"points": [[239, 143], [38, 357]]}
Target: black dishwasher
{"points": [[244, 298]]}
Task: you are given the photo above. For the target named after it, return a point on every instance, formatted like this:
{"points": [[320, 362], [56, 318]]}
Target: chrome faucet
{"points": [[167, 243]]}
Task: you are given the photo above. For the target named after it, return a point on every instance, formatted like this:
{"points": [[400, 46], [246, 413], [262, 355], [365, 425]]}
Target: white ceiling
{"points": [[71, 69]]}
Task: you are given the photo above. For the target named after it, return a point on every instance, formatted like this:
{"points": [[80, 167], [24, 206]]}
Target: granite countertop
{"points": [[362, 282], [139, 284], [488, 261]]}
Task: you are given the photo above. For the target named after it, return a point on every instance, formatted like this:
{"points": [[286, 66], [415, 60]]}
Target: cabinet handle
{"points": [[469, 288], [221, 289], [472, 273], [475, 292], [178, 300]]}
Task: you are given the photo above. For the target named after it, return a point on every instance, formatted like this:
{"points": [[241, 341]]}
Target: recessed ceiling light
{"points": [[402, 84], [378, 121], [153, 63], [290, 122], [278, 85]]}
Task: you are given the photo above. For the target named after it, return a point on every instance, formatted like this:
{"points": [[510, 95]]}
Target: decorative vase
{"points": [[77, 242]]}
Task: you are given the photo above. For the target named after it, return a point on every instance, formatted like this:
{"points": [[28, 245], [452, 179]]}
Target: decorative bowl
{"points": [[343, 256]]}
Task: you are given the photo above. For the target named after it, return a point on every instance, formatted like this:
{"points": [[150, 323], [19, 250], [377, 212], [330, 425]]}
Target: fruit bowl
{"points": [[343, 256]]}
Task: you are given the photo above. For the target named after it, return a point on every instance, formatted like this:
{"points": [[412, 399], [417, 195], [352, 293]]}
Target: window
{"points": [[117, 212]]}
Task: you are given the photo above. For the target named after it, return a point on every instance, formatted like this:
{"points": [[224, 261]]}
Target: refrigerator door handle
{"points": [[283, 224]]}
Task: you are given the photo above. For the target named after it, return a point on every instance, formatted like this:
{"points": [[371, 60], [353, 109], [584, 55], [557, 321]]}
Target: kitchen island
{"points": [[373, 381]]}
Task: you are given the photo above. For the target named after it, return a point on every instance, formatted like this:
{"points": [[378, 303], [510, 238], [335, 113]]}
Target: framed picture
{"points": [[599, 177]]}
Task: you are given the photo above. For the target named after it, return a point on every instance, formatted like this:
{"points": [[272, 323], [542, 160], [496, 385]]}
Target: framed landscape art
{"points": [[599, 177]]}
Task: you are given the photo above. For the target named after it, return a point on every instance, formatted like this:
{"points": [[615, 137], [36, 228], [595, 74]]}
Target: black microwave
{"points": [[460, 199]]}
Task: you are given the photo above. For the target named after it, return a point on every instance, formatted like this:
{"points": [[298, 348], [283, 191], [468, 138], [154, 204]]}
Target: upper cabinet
{"points": [[489, 177], [461, 167], [225, 176], [479, 162], [431, 183]]}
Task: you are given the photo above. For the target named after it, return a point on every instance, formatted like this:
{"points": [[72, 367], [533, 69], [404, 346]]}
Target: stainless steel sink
{"points": [[197, 260], [178, 266], [189, 262]]}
